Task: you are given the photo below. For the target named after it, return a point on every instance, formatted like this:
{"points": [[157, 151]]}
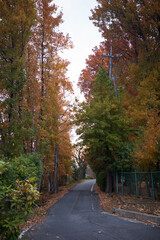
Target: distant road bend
{"points": [[78, 216]]}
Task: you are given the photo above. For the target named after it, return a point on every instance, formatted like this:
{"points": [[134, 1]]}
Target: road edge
{"points": [[137, 215]]}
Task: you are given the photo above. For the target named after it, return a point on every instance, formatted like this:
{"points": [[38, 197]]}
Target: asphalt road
{"points": [[78, 216]]}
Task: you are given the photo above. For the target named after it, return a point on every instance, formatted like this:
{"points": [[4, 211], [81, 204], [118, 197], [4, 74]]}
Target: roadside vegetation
{"points": [[118, 123], [35, 146]]}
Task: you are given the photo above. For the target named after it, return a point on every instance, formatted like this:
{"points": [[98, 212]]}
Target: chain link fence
{"points": [[139, 184]]}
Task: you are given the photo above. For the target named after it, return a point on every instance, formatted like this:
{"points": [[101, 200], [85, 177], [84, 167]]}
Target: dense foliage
{"points": [[117, 133], [16, 202], [101, 180], [104, 127], [34, 113], [23, 167], [132, 29]]}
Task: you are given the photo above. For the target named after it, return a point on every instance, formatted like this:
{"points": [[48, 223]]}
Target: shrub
{"points": [[23, 167], [101, 180], [16, 200], [15, 205]]}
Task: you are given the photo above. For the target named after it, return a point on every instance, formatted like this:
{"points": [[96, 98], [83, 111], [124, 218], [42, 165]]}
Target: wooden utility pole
{"points": [[109, 179]]}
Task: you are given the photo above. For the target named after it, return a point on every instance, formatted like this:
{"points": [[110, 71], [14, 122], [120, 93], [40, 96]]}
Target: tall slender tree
{"points": [[48, 83], [34, 84], [17, 18]]}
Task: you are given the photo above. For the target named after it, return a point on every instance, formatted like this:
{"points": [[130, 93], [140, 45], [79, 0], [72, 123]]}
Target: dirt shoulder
{"points": [[110, 201]]}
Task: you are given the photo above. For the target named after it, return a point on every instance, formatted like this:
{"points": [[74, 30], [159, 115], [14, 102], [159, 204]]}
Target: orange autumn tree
{"points": [[47, 87], [99, 59], [145, 112], [136, 22], [64, 145], [147, 151], [34, 86], [93, 63]]}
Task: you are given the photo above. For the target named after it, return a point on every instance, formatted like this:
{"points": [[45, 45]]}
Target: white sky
{"points": [[83, 33]]}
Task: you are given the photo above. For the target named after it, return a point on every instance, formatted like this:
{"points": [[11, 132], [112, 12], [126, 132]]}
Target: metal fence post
{"points": [[122, 183], [136, 184], [153, 194]]}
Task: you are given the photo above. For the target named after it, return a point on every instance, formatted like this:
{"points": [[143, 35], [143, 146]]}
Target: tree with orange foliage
{"points": [[34, 84], [93, 63], [148, 146], [50, 84], [137, 24]]}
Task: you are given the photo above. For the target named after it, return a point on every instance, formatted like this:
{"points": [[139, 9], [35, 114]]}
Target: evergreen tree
{"points": [[103, 127]]}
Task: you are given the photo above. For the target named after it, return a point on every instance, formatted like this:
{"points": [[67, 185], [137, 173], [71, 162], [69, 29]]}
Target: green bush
{"points": [[101, 180], [22, 167], [15, 205], [17, 196]]}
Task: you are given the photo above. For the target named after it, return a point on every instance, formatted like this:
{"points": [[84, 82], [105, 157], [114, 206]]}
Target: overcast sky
{"points": [[84, 34]]}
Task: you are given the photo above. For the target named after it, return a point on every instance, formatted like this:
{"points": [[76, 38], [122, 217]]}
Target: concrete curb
{"points": [[138, 215], [22, 233]]}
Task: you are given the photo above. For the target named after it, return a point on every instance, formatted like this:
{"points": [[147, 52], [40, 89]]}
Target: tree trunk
{"points": [[52, 185], [42, 75], [49, 183], [109, 181], [114, 182], [33, 106], [56, 169]]}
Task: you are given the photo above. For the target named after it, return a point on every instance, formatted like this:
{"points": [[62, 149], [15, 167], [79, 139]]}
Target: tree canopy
{"points": [[104, 126], [132, 28], [34, 111]]}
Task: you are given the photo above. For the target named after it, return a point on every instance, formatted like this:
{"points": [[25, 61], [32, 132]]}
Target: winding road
{"points": [[78, 216]]}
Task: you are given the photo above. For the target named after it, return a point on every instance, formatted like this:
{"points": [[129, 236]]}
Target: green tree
{"points": [[137, 24], [103, 127], [16, 20]]}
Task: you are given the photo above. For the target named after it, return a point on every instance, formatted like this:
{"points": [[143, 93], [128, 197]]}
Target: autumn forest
{"points": [[118, 123]]}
